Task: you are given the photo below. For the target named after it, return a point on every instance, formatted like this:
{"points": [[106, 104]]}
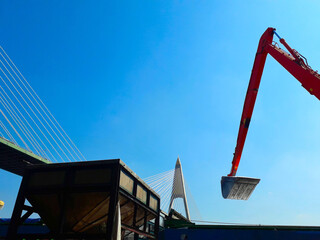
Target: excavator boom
{"points": [[241, 187]]}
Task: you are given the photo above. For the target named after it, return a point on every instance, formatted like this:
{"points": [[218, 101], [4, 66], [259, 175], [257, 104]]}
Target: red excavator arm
{"points": [[294, 63]]}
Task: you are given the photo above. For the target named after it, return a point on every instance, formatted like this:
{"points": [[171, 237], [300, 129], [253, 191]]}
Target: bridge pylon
{"points": [[178, 188]]}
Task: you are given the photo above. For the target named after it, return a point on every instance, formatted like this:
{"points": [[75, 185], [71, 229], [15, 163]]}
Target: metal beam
{"points": [[15, 159]]}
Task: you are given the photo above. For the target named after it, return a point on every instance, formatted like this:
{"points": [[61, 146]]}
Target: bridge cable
{"points": [[33, 112], [14, 118], [39, 113], [31, 118], [63, 134], [21, 124], [26, 121], [7, 132], [14, 130]]}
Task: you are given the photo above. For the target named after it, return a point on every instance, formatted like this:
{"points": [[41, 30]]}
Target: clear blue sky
{"points": [[146, 81]]}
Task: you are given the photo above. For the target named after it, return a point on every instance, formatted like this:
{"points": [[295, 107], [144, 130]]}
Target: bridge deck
{"points": [[15, 159]]}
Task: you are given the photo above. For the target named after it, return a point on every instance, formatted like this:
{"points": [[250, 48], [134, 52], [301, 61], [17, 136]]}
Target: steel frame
{"points": [[113, 187]]}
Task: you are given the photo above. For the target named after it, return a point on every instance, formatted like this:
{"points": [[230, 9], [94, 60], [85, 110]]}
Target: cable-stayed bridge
{"points": [[30, 134], [175, 193]]}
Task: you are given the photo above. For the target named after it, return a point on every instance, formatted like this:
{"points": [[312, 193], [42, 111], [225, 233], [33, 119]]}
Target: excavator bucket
{"points": [[238, 188]]}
